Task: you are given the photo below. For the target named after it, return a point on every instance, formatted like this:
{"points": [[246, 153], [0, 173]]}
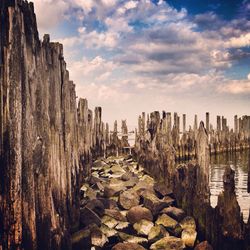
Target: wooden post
{"points": [[248, 181], [140, 126], [218, 123], [178, 124], [203, 160], [207, 122], [184, 123], [169, 122], [224, 124], [175, 119], [236, 125], [143, 123], [195, 123]]}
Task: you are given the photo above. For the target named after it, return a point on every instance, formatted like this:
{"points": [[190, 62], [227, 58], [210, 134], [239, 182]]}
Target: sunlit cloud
{"points": [[145, 53]]}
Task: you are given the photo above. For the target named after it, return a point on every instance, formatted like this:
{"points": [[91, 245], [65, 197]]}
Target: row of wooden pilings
{"points": [[221, 139], [155, 150]]}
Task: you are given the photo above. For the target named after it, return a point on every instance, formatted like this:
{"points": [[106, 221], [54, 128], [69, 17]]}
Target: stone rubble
{"points": [[125, 208]]}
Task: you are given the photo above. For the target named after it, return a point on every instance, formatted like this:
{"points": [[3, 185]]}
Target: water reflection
{"points": [[239, 162]]}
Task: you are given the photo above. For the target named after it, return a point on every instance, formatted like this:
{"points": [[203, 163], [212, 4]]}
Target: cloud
{"points": [[88, 70], [56, 10], [238, 42], [151, 38], [236, 86], [92, 39], [132, 56], [130, 5], [204, 21], [118, 25], [98, 93]]}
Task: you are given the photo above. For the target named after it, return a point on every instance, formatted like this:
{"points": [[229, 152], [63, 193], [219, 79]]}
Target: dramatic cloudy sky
{"points": [[189, 56]]}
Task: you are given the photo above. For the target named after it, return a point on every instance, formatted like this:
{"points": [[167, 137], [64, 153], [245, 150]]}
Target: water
{"points": [[238, 162]]}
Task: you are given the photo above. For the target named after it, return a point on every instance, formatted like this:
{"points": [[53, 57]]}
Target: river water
{"points": [[238, 162]]}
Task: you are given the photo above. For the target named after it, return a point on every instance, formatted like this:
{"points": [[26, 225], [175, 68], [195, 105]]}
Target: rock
{"points": [[115, 198], [166, 221], [88, 216], [108, 203], [109, 232], [116, 175], [203, 246], [96, 206], [84, 188], [129, 199], [81, 239], [112, 191], [128, 246], [188, 223], [122, 225], [117, 169], [90, 193], [145, 183], [132, 239], [98, 238], [176, 231], [128, 158], [106, 169], [148, 180], [99, 164], [139, 170], [83, 203], [174, 212], [106, 175], [140, 187], [95, 174], [114, 182], [109, 221], [188, 236], [111, 159], [162, 189], [100, 186], [131, 182], [152, 202], [135, 214], [156, 233], [116, 214], [168, 200], [127, 176], [94, 180], [143, 227], [114, 187], [124, 213], [168, 243]]}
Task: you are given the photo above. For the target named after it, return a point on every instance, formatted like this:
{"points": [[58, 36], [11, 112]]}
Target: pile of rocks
{"points": [[124, 208]]}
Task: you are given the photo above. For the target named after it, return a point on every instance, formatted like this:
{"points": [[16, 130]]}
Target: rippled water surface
{"points": [[238, 162]]}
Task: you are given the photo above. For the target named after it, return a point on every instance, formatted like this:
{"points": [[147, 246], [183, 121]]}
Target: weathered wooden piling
{"points": [[184, 123], [47, 142], [228, 210], [207, 122], [218, 123], [236, 124], [40, 161], [248, 181], [203, 160], [195, 127], [222, 226]]}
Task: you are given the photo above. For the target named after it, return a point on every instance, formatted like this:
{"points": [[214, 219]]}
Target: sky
{"points": [[185, 56]]}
